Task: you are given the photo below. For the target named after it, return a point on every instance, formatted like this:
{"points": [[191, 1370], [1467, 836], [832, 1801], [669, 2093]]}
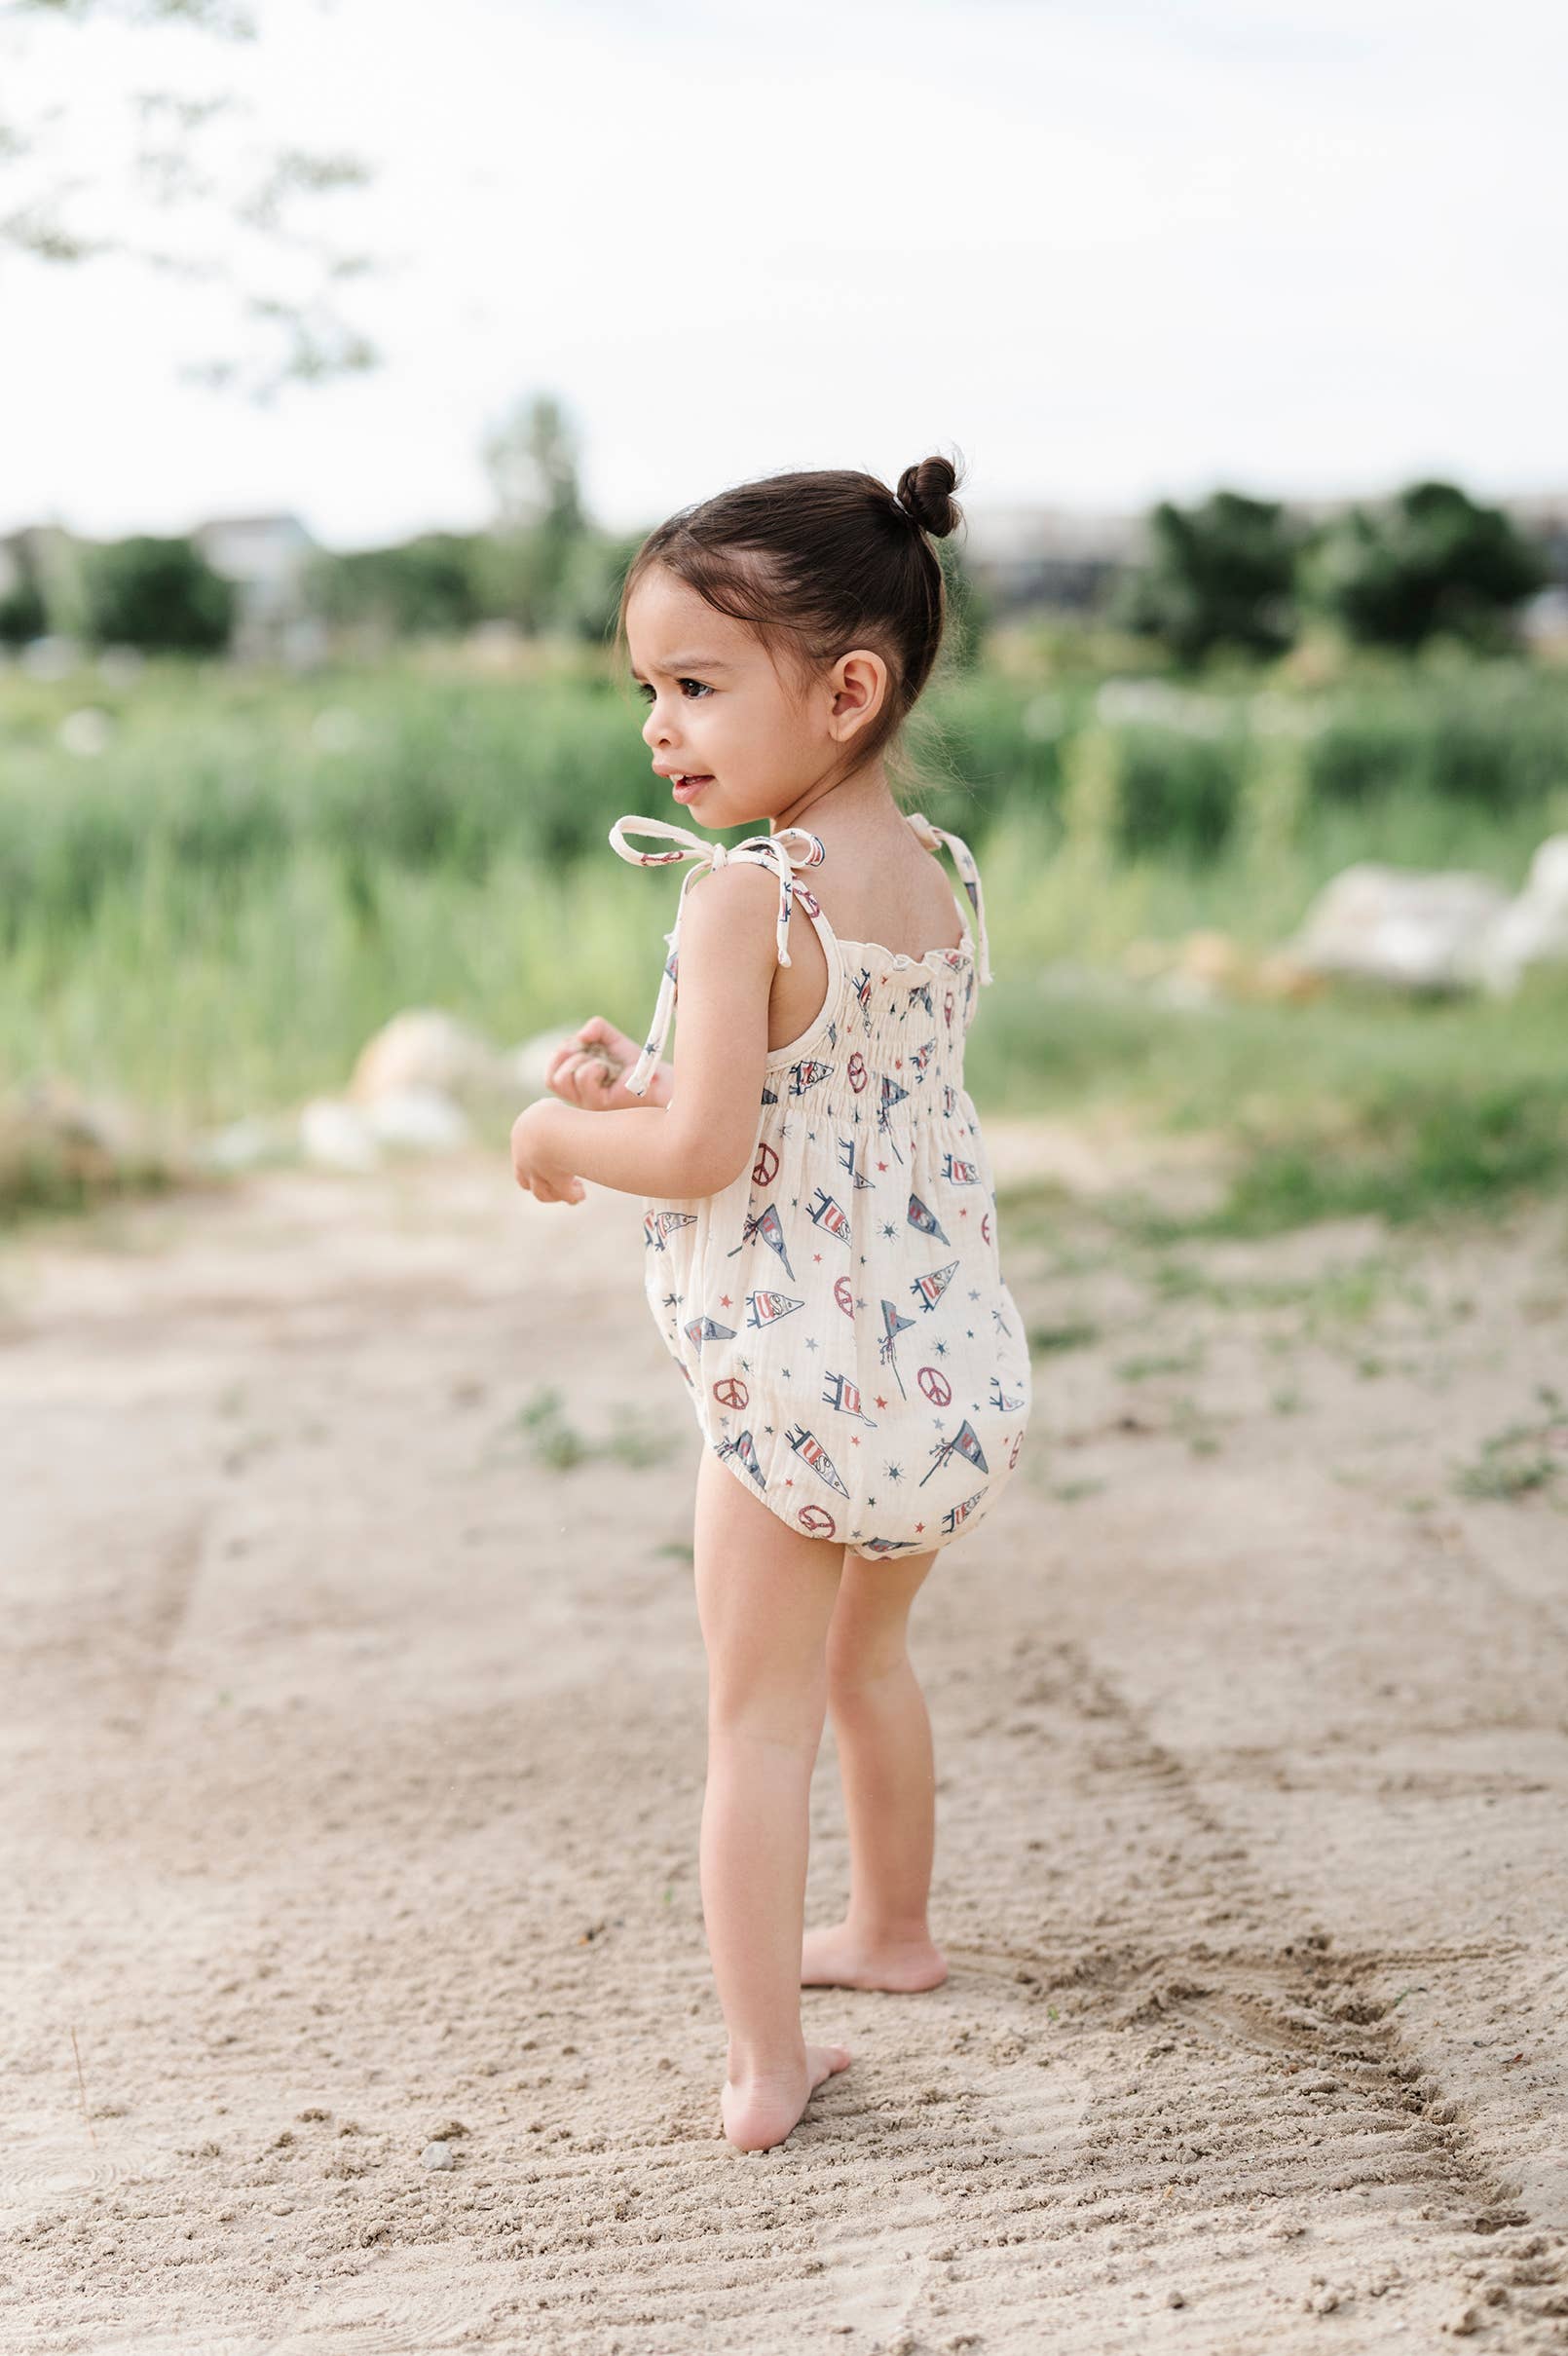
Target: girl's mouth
{"points": [[687, 789]]}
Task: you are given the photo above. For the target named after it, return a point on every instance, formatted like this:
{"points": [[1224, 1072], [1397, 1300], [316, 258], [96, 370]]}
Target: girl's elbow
{"points": [[709, 1165]]}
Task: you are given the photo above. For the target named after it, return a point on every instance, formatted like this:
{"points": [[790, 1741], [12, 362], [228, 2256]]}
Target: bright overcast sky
{"points": [[1112, 250]]}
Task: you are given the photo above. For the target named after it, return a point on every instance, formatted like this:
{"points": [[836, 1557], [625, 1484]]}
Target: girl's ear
{"points": [[859, 685]]}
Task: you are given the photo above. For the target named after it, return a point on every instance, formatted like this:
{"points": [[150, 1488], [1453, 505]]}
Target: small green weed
{"points": [[1072, 1336], [1522, 1457], [1155, 1361]]}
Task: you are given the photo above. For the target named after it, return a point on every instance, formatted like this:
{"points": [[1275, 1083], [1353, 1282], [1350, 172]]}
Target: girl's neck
{"points": [[862, 798]]}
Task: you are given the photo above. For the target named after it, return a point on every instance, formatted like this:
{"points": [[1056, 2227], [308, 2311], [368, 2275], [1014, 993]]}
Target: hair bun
{"points": [[924, 494]]}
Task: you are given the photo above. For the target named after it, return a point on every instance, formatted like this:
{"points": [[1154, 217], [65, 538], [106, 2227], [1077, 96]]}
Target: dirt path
{"points": [[353, 1806]]}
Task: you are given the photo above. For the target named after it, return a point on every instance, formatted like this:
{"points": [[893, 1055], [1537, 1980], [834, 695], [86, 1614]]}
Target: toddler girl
{"points": [[819, 1213]]}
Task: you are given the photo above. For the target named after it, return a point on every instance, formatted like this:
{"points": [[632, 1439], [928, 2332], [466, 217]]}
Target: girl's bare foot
{"points": [[759, 2112], [835, 1956]]}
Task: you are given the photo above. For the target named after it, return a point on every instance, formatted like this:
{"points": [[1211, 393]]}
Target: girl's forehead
{"points": [[666, 620]]}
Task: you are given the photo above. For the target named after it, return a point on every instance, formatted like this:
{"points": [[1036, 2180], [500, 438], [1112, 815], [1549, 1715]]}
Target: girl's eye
{"points": [[644, 689]]}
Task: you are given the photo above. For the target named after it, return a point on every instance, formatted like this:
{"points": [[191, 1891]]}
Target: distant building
{"points": [[1035, 559], [265, 557]]}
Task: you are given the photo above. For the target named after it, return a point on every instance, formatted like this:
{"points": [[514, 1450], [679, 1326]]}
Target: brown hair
{"points": [[818, 562]]}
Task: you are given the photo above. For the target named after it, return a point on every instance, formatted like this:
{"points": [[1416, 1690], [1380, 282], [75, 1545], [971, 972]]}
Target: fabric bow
{"points": [[775, 851], [963, 859]]}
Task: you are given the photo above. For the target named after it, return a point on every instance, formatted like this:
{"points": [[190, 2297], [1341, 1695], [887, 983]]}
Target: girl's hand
{"points": [[535, 1160], [585, 1070]]}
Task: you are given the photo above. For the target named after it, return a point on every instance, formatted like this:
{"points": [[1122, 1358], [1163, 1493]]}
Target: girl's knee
{"points": [[858, 1666], [768, 1719]]}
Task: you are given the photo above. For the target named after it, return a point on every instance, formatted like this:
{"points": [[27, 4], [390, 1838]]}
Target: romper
{"points": [[838, 1311]]}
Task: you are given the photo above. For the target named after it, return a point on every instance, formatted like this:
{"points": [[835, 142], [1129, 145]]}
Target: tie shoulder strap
{"points": [[963, 859], [792, 846]]}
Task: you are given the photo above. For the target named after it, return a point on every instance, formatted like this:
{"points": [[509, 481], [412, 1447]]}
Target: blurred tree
{"points": [[157, 593], [1219, 575], [22, 612], [177, 164], [423, 587], [590, 589], [531, 458], [1432, 560]]}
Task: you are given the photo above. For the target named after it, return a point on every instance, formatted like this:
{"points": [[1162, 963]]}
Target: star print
{"points": [[882, 1402], [811, 1342], [724, 1299], [973, 1293], [894, 1472], [942, 1349]]}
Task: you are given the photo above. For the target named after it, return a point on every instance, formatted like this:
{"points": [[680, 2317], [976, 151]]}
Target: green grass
{"points": [[1402, 1151], [210, 917]]}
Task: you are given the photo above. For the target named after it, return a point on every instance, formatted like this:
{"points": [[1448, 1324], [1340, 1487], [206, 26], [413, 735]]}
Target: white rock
{"points": [[240, 1146], [437, 2155], [424, 1048], [337, 1134], [1393, 924], [1532, 929], [86, 730], [421, 1119]]}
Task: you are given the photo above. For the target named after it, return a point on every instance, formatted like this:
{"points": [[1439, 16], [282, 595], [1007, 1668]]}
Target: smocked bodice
{"points": [[891, 1028]]}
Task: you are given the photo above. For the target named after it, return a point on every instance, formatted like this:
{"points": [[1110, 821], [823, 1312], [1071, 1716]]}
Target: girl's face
{"points": [[720, 713]]}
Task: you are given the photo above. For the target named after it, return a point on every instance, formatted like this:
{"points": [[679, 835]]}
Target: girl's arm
{"points": [[707, 1132]]}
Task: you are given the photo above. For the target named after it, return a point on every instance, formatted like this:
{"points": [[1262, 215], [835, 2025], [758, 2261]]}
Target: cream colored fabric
{"points": [[850, 1348]]}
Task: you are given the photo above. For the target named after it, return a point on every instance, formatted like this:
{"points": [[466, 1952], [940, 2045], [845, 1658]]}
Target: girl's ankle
{"points": [[878, 1935], [776, 2067]]}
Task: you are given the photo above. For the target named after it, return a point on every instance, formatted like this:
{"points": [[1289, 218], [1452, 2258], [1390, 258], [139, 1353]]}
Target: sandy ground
{"points": [[354, 1748]]}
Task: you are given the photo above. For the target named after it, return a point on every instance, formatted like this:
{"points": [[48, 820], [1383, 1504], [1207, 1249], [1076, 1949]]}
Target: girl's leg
{"points": [[883, 1738], [765, 1600]]}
